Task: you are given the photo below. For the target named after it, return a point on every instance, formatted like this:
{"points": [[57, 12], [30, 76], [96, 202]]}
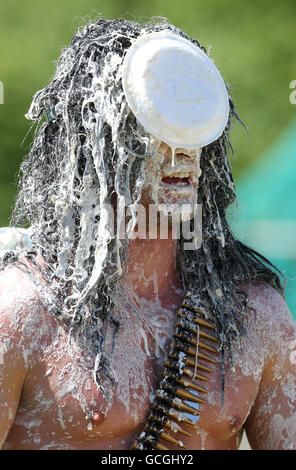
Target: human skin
{"points": [[157, 188], [48, 400]]}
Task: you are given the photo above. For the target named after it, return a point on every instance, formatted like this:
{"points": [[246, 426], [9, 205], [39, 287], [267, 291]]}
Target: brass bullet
{"points": [[200, 344], [159, 446], [177, 403], [193, 386], [172, 426], [191, 363], [180, 417], [192, 352], [169, 438], [186, 395], [210, 337], [198, 321], [191, 374], [193, 309]]}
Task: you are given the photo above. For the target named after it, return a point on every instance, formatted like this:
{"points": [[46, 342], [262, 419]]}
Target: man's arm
{"points": [[271, 424], [12, 366]]}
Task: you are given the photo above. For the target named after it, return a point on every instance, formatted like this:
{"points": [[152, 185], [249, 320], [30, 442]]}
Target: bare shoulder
{"points": [[268, 314], [15, 283], [17, 293], [21, 313], [19, 320]]}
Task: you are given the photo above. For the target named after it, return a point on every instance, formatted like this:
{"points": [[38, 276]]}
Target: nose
{"points": [[179, 154]]}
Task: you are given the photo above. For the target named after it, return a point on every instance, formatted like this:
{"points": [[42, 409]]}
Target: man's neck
{"points": [[151, 267]]}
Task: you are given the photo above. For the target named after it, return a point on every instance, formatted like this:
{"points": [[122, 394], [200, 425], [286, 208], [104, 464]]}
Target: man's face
{"points": [[171, 180]]}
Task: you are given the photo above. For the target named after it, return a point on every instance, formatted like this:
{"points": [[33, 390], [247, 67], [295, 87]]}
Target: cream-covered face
{"points": [[172, 179]]}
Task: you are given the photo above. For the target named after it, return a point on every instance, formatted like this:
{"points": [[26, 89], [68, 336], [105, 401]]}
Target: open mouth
{"points": [[177, 180]]}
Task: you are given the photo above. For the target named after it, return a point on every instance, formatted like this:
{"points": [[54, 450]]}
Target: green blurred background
{"points": [[253, 45]]}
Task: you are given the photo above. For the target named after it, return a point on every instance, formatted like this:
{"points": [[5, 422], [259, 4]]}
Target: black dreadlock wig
{"points": [[90, 148]]}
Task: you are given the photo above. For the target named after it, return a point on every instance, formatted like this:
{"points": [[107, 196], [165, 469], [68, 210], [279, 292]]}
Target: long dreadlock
{"points": [[90, 149]]}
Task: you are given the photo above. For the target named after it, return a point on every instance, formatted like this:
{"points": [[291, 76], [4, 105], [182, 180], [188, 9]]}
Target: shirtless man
{"points": [[84, 339]]}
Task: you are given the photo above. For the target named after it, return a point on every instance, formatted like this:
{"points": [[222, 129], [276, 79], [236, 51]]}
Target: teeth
{"points": [[181, 183], [177, 175]]}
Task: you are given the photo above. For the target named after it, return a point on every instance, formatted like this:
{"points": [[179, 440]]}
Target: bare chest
{"points": [[62, 406]]}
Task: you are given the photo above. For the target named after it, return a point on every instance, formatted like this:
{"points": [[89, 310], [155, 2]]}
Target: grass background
{"points": [[252, 43]]}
